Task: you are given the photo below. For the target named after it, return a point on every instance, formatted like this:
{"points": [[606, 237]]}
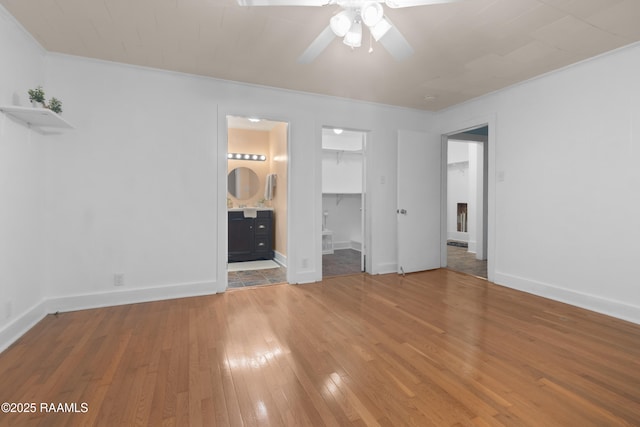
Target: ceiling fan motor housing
{"points": [[348, 24]]}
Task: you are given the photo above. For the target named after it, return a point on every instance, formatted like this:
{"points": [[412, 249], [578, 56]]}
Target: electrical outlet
{"points": [[118, 279]]}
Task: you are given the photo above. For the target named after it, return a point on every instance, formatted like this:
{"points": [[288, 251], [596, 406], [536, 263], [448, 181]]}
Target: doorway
{"points": [[466, 201], [343, 202], [257, 199]]}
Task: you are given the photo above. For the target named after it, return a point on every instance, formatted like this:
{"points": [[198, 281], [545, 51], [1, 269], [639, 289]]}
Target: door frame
{"points": [[490, 208], [482, 140], [365, 218], [221, 162]]}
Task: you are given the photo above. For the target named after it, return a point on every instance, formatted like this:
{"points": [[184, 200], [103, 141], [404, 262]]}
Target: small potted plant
{"points": [[55, 105], [36, 96]]}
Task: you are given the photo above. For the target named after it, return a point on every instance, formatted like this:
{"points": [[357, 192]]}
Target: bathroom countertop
{"points": [[249, 207]]}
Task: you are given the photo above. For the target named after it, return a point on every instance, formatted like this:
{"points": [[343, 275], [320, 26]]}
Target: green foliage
{"points": [[36, 95], [55, 105]]}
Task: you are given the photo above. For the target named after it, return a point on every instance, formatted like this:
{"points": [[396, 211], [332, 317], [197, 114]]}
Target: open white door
{"points": [[418, 201]]}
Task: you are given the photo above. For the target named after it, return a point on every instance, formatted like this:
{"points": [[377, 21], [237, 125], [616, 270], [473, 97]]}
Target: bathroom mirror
{"points": [[243, 183]]}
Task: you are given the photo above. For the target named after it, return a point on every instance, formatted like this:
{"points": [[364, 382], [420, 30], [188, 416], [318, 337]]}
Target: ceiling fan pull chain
{"points": [[370, 42]]}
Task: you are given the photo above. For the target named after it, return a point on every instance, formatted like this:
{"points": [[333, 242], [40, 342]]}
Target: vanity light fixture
{"points": [[244, 156]]}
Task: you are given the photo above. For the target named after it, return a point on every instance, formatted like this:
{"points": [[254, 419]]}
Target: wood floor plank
{"points": [[435, 348]]}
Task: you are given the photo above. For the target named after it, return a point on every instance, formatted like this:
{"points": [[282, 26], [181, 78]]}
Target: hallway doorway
{"points": [[466, 201]]}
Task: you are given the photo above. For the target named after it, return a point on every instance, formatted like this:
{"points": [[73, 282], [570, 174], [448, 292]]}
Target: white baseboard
{"points": [[18, 327], [27, 320], [130, 296], [305, 277], [385, 268], [280, 259], [595, 303], [342, 245], [349, 244], [461, 236]]}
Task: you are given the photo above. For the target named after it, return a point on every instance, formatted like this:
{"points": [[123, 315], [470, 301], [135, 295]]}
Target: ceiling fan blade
{"points": [[394, 4], [317, 46], [283, 2], [396, 44]]}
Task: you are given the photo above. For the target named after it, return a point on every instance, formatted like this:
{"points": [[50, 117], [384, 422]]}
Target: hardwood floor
{"points": [[436, 348]]}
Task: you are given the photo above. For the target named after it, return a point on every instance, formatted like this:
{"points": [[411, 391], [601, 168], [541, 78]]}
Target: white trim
{"points": [[280, 259], [18, 327], [342, 245], [595, 303], [386, 268], [461, 236], [224, 111], [490, 147], [129, 296], [302, 277], [28, 319]]}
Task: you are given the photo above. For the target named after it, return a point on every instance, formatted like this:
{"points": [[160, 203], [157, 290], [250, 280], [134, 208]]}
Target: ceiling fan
{"points": [[348, 24]]}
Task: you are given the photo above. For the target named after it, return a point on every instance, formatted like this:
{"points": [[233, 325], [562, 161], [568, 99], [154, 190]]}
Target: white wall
{"points": [[21, 186], [132, 189], [137, 189], [344, 219], [476, 194], [341, 172], [565, 150], [457, 187]]}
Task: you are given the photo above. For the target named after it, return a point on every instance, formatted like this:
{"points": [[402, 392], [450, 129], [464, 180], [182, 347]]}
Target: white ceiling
{"points": [[462, 50]]}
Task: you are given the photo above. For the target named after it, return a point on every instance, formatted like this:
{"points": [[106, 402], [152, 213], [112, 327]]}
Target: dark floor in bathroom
{"points": [[347, 261], [270, 276], [341, 262]]}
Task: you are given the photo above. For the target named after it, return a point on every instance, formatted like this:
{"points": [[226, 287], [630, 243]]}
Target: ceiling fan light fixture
{"points": [[380, 29], [371, 13], [354, 37], [342, 22]]}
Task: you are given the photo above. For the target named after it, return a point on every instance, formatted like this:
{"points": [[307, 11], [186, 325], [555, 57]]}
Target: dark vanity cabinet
{"points": [[250, 239]]}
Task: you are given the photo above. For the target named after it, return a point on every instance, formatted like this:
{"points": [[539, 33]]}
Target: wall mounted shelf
{"points": [[40, 118]]}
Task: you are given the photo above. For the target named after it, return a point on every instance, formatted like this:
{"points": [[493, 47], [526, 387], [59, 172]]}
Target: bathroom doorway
{"points": [[257, 198], [343, 202]]}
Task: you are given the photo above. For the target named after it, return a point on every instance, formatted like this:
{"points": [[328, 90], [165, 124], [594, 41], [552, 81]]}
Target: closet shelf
{"points": [[354, 192], [41, 118], [342, 150]]}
